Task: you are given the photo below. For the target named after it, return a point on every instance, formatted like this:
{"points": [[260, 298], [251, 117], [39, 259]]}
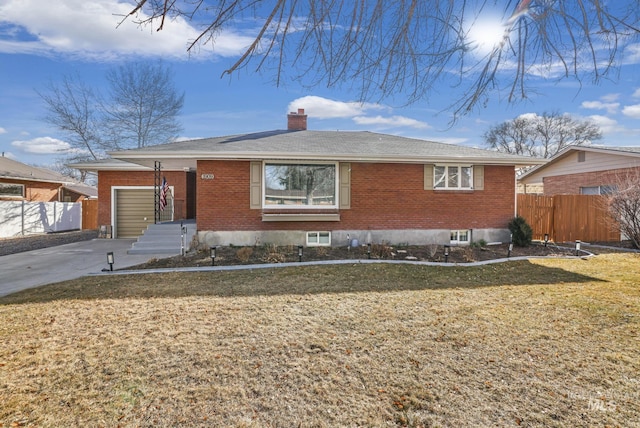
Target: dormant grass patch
{"points": [[540, 343]]}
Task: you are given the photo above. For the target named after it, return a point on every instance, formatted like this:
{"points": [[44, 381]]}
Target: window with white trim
{"points": [[12, 190], [318, 239], [300, 185], [453, 177], [460, 236], [598, 190]]}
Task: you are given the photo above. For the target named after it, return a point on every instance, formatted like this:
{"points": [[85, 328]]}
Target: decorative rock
{"points": [[411, 258]]}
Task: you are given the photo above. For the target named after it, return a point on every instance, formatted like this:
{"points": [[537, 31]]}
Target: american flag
{"points": [[164, 189]]}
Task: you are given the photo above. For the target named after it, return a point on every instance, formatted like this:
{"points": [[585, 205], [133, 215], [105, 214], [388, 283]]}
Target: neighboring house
{"points": [[19, 181], [582, 170], [297, 186]]}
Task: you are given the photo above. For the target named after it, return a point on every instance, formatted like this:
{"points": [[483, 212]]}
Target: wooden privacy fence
{"points": [[90, 214], [568, 217]]}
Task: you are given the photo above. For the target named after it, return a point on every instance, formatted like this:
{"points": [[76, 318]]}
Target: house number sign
{"points": [[207, 176]]}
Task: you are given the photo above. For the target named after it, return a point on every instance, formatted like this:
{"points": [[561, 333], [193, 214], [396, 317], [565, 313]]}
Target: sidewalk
{"points": [[54, 264]]}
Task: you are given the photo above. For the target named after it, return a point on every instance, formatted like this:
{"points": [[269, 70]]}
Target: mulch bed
{"points": [[226, 256]]}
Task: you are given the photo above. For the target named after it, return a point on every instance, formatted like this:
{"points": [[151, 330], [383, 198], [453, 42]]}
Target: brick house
{"points": [[298, 186], [582, 170], [19, 181]]}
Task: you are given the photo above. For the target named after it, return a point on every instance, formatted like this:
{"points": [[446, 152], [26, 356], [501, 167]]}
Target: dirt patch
{"points": [[43, 240], [225, 256]]}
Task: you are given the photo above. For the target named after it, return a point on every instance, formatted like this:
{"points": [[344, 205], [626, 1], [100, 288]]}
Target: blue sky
{"points": [[40, 43]]}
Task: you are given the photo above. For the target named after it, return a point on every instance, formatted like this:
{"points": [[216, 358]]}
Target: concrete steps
{"points": [[165, 238]]}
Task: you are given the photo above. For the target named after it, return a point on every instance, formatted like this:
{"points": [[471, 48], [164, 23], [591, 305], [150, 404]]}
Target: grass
{"points": [[540, 343]]}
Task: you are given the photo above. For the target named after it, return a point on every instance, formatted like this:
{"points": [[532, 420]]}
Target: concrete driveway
{"points": [[64, 262]]}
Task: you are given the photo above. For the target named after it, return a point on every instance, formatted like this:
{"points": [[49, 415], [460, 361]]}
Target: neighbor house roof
{"points": [[629, 152], [12, 169], [312, 145]]}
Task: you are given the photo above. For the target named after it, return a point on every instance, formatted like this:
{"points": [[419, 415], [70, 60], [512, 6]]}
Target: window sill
{"points": [[301, 217], [462, 189]]}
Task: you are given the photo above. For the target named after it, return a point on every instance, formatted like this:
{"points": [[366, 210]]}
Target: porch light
{"points": [[578, 245], [369, 250], [546, 239], [299, 253], [110, 260], [213, 256], [447, 250]]}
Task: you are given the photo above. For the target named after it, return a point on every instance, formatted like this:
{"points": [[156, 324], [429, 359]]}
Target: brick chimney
{"points": [[297, 121]]}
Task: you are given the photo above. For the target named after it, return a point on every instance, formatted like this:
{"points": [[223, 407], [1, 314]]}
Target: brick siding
{"points": [[37, 191], [383, 196], [108, 179], [570, 184]]}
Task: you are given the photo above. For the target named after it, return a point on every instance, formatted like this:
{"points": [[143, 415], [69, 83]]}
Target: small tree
{"points": [[624, 206], [521, 232]]}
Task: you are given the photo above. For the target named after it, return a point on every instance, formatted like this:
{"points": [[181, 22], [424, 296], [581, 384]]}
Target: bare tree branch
{"points": [[541, 135], [406, 47]]}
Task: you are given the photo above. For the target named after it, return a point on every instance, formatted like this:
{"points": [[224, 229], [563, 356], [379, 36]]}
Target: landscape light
{"points": [[213, 256], [546, 239], [299, 253], [110, 260], [369, 250], [578, 244], [510, 249], [447, 249]]}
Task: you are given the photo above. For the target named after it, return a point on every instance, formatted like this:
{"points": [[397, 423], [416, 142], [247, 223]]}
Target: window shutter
{"points": [[345, 186], [255, 189], [428, 177], [478, 177]]}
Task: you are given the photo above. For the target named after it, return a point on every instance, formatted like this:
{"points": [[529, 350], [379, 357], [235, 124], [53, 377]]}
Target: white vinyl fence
{"points": [[25, 218]]}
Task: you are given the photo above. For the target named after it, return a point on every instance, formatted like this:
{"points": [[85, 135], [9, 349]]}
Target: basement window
{"points": [[318, 239], [460, 236]]}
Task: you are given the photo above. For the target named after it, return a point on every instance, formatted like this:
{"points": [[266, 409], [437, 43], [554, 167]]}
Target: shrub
{"points": [[521, 232], [244, 254]]}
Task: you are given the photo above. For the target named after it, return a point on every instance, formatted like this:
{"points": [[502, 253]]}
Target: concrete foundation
{"points": [[344, 237]]}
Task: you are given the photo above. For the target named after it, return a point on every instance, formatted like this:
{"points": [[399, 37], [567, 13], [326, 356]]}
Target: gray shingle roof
{"points": [[10, 168], [328, 145]]}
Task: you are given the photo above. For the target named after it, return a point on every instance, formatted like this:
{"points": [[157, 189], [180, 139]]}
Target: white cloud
{"points": [[636, 93], [609, 98], [324, 108], [391, 121], [632, 111], [611, 108], [88, 30], [605, 123], [2, 130], [43, 146], [631, 54]]}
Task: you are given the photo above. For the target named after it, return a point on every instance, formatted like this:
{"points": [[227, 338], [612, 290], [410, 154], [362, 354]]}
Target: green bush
{"points": [[521, 232]]}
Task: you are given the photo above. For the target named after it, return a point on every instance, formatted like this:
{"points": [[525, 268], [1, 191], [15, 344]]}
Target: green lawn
{"points": [[540, 343]]}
